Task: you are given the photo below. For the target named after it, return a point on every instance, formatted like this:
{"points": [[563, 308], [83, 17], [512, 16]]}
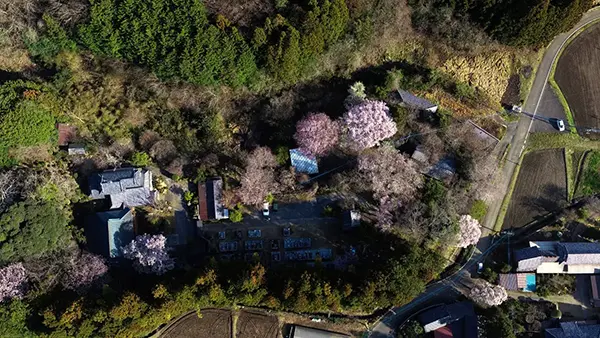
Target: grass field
{"points": [[589, 182], [577, 73], [540, 187]]}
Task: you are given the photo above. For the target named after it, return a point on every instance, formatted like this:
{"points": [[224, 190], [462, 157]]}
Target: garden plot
{"points": [[577, 74], [256, 325], [214, 324], [540, 187]]}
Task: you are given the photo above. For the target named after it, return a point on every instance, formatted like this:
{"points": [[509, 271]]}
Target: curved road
{"points": [[444, 291]]}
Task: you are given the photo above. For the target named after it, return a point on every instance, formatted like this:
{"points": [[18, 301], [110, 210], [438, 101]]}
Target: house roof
{"points": [[579, 253], [460, 317], [529, 259], [126, 187], [414, 101], [309, 332], [303, 162], [210, 200], [107, 232], [574, 330], [443, 170], [66, 134]]}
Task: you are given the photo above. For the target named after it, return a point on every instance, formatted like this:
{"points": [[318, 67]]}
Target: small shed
{"points": [[76, 149], [303, 162], [210, 200], [518, 281], [351, 219], [310, 332], [66, 134], [409, 100]]}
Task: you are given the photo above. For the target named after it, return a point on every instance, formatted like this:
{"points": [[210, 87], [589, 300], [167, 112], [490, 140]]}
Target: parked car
{"points": [[265, 210], [480, 267], [517, 109], [561, 125]]}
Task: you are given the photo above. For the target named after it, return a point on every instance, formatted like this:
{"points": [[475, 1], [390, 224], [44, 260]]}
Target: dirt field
{"points": [[256, 325], [540, 188], [214, 324], [577, 75]]}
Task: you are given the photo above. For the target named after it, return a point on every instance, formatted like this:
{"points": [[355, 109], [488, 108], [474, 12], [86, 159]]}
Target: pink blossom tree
{"points": [[390, 174], [487, 294], [83, 270], [149, 254], [13, 281], [259, 177], [368, 123], [469, 231], [317, 134]]}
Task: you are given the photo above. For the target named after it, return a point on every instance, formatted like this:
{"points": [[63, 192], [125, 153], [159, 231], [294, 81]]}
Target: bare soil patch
{"points": [[541, 187], [214, 323], [256, 325], [577, 74]]}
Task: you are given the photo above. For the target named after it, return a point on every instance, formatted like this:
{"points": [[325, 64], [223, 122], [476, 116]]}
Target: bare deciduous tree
{"points": [[390, 174], [258, 178]]}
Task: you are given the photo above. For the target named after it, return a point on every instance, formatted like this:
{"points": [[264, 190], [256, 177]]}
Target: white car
{"points": [[265, 210], [561, 125], [517, 109]]}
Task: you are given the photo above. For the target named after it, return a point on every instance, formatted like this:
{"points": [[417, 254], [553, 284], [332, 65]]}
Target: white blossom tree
{"points": [[368, 123], [469, 231], [13, 281], [149, 254], [487, 294]]}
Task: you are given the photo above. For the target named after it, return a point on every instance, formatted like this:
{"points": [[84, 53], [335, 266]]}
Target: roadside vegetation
{"points": [[191, 91]]}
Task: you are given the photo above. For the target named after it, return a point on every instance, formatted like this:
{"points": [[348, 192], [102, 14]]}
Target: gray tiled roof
{"points": [[415, 101], [574, 330], [529, 259], [579, 253], [126, 186]]}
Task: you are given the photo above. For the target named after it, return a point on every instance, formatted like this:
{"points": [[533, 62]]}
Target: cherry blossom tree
{"points": [[368, 123], [390, 174], [149, 254], [259, 177], [13, 281], [487, 294], [83, 270], [469, 232], [317, 134]]}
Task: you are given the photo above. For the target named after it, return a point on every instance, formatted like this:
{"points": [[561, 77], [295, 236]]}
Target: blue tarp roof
{"points": [[303, 163]]}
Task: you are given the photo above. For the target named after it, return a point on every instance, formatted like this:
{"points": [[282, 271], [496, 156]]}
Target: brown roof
{"points": [[202, 203], [66, 134]]}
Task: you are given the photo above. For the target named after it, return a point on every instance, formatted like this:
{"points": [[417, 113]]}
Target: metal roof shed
{"points": [[303, 162], [309, 332]]}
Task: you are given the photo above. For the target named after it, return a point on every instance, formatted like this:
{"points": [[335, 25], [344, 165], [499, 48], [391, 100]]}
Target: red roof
{"points": [[66, 134], [202, 203], [443, 332]]}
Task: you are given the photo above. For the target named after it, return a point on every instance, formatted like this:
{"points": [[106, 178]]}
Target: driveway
{"points": [[302, 213], [550, 107], [518, 138]]}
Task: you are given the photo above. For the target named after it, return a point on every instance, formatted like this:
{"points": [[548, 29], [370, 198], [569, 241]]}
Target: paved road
{"points": [[517, 137]]}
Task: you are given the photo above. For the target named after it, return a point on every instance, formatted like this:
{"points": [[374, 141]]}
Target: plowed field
{"points": [[213, 324], [540, 188], [256, 325], [578, 74]]}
